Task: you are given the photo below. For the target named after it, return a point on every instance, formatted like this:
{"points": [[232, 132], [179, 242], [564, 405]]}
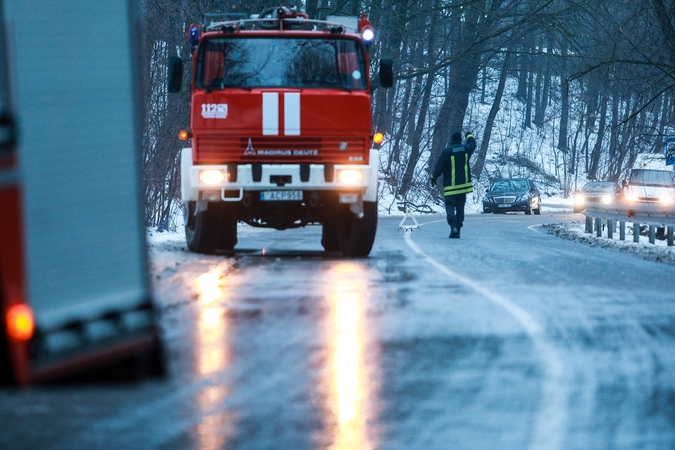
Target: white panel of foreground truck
{"points": [[74, 90]]}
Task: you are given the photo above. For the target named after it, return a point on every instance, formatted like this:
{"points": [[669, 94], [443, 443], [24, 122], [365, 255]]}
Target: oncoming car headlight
{"points": [[350, 176], [630, 197], [579, 199], [666, 199], [606, 199], [211, 177]]}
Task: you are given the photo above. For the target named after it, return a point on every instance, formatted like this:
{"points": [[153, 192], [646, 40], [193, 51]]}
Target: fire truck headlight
{"points": [[368, 35], [350, 176], [212, 177]]}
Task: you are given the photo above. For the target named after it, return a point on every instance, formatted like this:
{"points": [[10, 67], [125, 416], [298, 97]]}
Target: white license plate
{"points": [[280, 195], [504, 205]]}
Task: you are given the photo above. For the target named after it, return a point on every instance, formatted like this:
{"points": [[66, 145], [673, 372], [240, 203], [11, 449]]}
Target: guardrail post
{"points": [[598, 227], [652, 234], [636, 232], [589, 224], [670, 235], [622, 230], [611, 226]]}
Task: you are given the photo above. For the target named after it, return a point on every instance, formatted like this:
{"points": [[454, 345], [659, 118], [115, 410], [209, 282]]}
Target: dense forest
{"points": [[557, 90]]}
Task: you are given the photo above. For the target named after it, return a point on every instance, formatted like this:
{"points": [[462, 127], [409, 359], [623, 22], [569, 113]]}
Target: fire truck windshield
{"points": [[293, 62]]}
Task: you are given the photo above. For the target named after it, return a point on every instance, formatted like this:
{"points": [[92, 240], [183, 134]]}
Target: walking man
{"points": [[454, 165]]}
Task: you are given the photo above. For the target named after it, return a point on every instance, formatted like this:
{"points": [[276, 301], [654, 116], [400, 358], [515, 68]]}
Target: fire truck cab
{"points": [[280, 130]]}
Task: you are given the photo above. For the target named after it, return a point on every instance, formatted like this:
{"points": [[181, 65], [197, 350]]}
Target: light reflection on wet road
{"points": [[284, 346], [347, 292], [213, 356], [333, 294]]}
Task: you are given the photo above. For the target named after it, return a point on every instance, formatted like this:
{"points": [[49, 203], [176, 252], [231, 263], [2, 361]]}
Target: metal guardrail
{"points": [[654, 216]]}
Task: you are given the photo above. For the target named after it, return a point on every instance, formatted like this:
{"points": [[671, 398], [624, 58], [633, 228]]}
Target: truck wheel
{"points": [[201, 231], [356, 236], [228, 232], [329, 237]]}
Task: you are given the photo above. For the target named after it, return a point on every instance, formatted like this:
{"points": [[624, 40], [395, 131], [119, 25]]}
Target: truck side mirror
{"points": [[175, 74], [8, 133], [386, 72]]}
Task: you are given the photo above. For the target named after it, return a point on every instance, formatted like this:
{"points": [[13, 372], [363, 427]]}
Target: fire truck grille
{"points": [[221, 149]]}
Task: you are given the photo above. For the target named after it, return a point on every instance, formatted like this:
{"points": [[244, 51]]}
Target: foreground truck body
{"points": [[281, 132], [74, 286]]}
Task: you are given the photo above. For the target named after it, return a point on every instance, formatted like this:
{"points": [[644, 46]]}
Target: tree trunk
{"points": [[451, 116], [597, 149], [419, 129], [614, 135], [528, 106], [564, 116], [542, 103], [482, 152]]}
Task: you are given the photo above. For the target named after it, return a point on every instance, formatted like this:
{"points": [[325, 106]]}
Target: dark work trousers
{"points": [[454, 207]]}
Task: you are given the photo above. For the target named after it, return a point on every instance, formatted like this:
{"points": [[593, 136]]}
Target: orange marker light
{"points": [[20, 322], [183, 135], [378, 138]]}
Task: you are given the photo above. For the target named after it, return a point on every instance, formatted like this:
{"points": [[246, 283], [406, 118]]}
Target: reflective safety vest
{"points": [[454, 165]]}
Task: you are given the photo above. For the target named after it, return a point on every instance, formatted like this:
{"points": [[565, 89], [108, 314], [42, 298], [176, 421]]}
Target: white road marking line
{"points": [[270, 119], [551, 421], [292, 114], [532, 227]]}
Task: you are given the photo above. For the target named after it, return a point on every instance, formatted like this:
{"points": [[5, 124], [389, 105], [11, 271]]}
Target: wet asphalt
{"points": [[507, 338]]}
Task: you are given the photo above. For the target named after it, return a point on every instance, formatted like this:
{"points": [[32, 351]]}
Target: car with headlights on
{"points": [[603, 192], [649, 186], [512, 194]]}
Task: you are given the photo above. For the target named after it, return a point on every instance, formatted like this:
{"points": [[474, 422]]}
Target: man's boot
{"points": [[454, 233]]}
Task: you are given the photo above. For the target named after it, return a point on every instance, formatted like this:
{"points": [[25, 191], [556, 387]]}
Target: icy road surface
{"points": [[509, 338]]}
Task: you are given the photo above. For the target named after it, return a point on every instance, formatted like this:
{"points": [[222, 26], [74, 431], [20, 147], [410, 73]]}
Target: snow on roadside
{"points": [[575, 231]]}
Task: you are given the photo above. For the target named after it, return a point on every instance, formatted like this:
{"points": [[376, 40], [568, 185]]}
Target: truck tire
{"points": [[209, 230], [329, 237], [228, 232], [356, 236]]}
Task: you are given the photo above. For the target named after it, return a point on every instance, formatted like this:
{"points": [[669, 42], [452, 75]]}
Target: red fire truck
{"points": [[281, 130]]}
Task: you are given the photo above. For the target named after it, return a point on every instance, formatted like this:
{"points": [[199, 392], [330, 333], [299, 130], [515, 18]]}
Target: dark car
{"points": [[603, 192], [512, 194]]}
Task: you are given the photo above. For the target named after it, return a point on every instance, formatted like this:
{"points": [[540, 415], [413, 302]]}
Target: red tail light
{"points": [[20, 322]]}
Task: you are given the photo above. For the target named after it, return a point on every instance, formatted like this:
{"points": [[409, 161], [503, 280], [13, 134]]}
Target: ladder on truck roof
{"points": [[280, 18]]}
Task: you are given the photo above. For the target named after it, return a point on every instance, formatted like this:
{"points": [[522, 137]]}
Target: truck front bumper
{"points": [[231, 181]]}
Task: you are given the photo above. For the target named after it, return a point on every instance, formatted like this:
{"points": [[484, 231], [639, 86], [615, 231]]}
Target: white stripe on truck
{"points": [[292, 114], [270, 121]]}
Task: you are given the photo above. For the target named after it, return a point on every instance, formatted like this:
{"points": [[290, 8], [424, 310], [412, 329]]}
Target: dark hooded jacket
{"points": [[454, 165]]}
